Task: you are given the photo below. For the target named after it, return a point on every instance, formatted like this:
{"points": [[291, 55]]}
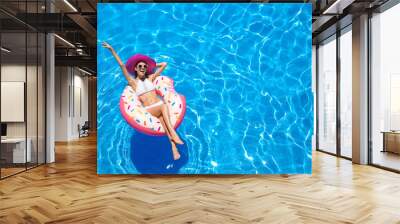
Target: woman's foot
{"points": [[175, 152]]}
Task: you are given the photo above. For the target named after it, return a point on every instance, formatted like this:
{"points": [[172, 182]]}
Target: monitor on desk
{"points": [[3, 130]]}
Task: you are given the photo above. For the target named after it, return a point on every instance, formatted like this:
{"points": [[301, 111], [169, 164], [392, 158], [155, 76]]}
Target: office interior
{"points": [[48, 79], [378, 88], [49, 128]]}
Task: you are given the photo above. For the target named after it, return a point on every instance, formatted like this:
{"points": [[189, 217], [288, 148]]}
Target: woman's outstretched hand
{"points": [[121, 64], [106, 45]]}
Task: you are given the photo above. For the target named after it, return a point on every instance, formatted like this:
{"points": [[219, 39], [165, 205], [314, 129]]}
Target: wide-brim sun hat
{"points": [[135, 59]]}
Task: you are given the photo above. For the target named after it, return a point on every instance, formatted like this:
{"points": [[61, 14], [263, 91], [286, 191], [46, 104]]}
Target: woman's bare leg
{"points": [[163, 111], [174, 135], [165, 127], [175, 151]]}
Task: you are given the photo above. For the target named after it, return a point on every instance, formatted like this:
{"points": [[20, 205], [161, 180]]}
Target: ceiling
{"points": [[75, 21], [329, 16]]}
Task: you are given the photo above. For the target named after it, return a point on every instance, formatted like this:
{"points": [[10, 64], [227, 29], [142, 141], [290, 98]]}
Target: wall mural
{"points": [[204, 88]]}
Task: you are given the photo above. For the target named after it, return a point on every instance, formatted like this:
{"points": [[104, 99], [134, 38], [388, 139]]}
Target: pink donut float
{"points": [[141, 120]]}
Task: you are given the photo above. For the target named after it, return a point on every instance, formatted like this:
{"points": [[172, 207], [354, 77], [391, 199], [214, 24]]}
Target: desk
{"points": [[391, 141], [16, 147]]}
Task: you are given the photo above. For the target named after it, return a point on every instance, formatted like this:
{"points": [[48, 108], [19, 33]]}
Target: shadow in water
{"points": [[153, 155]]}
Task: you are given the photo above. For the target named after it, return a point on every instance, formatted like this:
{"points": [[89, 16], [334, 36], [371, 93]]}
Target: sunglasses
{"points": [[141, 66]]}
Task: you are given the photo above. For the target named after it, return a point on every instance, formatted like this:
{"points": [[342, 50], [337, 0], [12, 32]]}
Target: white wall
{"points": [[81, 94], [71, 94], [61, 103], [13, 72], [16, 72]]}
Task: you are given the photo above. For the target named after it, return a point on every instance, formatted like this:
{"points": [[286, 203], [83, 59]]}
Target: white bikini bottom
{"points": [[159, 103]]}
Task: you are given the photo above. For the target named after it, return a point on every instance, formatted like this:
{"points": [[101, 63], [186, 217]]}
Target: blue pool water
{"points": [[245, 70]]}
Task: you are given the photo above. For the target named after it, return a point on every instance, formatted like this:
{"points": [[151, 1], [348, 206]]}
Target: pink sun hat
{"points": [[132, 62]]}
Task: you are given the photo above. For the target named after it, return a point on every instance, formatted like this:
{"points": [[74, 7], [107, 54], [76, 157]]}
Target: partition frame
{"points": [[44, 78]]}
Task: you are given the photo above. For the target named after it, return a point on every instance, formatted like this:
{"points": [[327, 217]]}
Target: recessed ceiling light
{"points": [[70, 5], [5, 50], [64, 40], [84, 71], [337, 7]]}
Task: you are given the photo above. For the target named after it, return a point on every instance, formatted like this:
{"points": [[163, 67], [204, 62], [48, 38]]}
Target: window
{"points": [[385, 89], [327, 96], [346, 92]]}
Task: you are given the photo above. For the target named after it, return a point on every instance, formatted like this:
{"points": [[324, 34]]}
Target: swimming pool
{"points": [[245, 70]]}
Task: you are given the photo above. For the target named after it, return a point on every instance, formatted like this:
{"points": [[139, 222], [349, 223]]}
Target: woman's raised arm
{"points": [[121, 64], [160, 68]]}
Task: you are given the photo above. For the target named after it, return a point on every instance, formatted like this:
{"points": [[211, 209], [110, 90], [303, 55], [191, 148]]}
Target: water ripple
{"points": [[245, 70]]}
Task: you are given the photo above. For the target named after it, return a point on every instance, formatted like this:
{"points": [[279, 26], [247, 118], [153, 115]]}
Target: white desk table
{"points": [[18, 144]]}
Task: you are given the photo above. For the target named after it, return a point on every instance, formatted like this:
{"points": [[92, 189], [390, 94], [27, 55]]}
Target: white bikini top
{"points": [[143, 87]]}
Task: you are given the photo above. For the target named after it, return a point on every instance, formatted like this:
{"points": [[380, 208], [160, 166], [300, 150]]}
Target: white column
{"points": [[50, 93], [360, 90], [50, 109]]}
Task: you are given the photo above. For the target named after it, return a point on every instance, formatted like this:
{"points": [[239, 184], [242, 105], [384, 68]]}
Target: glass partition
{"points": [[22, 90], [13, 103]]}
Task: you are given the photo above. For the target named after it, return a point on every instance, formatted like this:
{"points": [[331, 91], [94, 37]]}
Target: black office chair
{"points": [[84, 130]]}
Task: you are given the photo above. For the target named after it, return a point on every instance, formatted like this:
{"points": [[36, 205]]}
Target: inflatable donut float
{"points": [[141, 120]]}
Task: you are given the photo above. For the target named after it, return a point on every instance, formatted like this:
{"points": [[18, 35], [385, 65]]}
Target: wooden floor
{"points": [[387, 159], [5, 172], [70, 191]]}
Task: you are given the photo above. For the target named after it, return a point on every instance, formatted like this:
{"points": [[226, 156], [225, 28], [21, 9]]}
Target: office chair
{"points": [[84, 130]]}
